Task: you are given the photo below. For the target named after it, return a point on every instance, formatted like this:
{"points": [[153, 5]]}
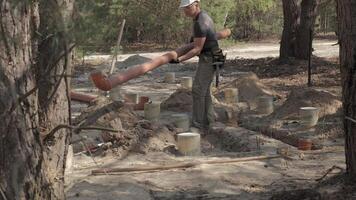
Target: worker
{"points": [[205, 42]]}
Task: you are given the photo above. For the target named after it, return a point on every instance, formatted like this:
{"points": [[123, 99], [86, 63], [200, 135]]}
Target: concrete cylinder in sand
{"points": [[189, 144], [181, 121], [131, 98], [170, 77], [231, 95], [265, 105], [152, 111], [309, 116], [69, 161], [187, 82]]}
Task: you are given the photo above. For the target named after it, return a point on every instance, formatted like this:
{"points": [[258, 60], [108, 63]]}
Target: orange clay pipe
{"points": [[81, 97], [105, 83]]}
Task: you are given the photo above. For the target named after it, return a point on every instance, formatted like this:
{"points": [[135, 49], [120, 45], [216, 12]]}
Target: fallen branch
{"points": [[180, 166], [76, 129], [92, 115], [329, 171]]}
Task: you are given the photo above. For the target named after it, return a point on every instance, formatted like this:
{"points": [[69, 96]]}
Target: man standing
{"points": [[205, 41]]}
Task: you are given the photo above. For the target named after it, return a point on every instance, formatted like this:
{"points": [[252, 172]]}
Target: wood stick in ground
{"points": [[114, 59], [181, 165]]}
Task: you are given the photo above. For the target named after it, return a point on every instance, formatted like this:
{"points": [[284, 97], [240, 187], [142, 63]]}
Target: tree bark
{"points": [[19, 127], [346, 10], [291, 16], [30, 169], [298, 21], [309, 11]]}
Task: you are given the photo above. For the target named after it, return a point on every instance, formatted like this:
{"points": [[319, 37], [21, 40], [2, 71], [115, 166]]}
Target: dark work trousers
{"points": [[203, 111]]}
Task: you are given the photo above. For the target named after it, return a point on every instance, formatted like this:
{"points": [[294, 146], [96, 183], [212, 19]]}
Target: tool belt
{"points": [[218, 58]]}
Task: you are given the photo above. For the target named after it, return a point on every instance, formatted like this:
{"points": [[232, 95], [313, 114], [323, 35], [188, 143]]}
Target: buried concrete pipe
{"points": [[187, 82], [181, 121], [265, 105], [69, 158], [152, 111], [309, 116], [189, 144], [106, 83]]}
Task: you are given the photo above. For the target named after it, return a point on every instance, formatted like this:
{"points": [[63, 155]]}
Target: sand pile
{"points": [[250, 88], [132, 61], [161, 138], [327, 103], [134, 133], [180, 101]]}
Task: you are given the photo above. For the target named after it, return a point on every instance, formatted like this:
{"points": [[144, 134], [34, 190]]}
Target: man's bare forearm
{"points": [[190, 54]]}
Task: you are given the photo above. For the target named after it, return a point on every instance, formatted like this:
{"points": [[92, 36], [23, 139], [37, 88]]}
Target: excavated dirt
{"points": [[134, 134], [250, 88], [179, 101], [132, 61], [283, 123], [327, 103]]}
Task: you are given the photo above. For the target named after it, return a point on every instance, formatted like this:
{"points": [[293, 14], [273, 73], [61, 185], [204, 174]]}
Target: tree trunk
{"points": [[309, 11], [33, 100], [346, 10], [291, 16], [298, 21]]}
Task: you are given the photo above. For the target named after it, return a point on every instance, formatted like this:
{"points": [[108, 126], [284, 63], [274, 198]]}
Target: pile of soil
{"points": [[232, 139], [250, 88], [162, 139], [132, 61], [137, 60], [180, 101], [134, 133], [283, 124], [327, 103]]}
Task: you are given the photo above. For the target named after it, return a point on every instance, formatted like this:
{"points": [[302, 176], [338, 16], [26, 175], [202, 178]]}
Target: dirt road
{"points": [[253, 50], [322, 48]]}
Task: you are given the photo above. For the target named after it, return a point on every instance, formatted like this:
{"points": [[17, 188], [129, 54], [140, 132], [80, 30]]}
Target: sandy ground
{"points": [[322, 48], [248, 180]]}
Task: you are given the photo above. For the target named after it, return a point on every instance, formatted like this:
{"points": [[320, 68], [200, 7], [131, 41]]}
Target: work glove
{"points": [[174, 61]]}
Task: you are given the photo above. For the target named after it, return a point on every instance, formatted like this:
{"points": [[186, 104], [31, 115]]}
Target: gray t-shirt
{"points": [[204, 27]]}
